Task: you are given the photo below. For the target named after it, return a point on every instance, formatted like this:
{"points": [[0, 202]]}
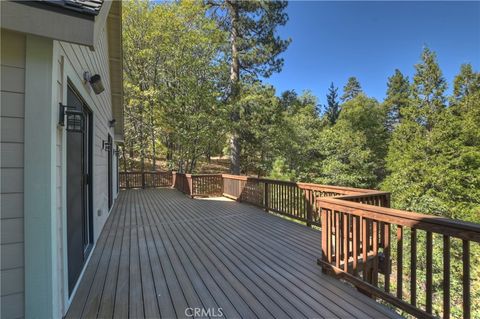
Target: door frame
{"points": [[89, 191], [110, 171]]}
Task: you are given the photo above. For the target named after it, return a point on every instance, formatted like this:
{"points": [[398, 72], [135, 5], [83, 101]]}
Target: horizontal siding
{"points": [[12, 205], [12, 256], [13, 79], [13, 305], [12, 104], [11, 164], [83, 59]]}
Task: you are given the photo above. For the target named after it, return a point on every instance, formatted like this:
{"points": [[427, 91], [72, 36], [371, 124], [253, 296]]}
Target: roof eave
{"points": [[115, 57]]}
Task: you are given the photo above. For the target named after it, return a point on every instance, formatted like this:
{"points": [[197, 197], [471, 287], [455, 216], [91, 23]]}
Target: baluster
{"points": [[355, 246], [265, 195], [386, 252], [337, 239], [329, 235], [399, 261], [429, 248], [365, 240], [466, 278], [346, 241], [375, 253], [446, 277], [413, 267]]}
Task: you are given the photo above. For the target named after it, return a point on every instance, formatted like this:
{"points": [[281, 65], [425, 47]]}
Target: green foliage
{"points": [[398, 98], [332, 109], [259, 120], [298, 134], [351, 89], [428, 91], [466, 83], [433, 163], [354, 148], [173, 69], [252, 27], [280, 171]]}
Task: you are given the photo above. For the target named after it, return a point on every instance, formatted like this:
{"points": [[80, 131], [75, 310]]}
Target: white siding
{"points": [[11, 150], [73, 60], [83, 59]]}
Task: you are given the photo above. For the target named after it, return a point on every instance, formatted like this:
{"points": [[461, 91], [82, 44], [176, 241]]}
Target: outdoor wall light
{"points": [[95, 82], [106, 146], [111, 123], [75, 119]]}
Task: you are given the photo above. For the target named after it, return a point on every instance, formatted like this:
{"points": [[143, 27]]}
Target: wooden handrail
{"points": [[440, 225], [356, 246]]}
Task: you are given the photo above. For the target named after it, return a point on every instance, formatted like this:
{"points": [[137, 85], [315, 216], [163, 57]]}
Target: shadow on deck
{"points": [[162, 254]]}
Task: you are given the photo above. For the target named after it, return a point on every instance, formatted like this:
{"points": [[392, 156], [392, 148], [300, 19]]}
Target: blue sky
{"points": [[334, 40]]}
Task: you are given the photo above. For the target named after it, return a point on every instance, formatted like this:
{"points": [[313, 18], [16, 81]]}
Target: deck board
{"points": [[161, 252]]}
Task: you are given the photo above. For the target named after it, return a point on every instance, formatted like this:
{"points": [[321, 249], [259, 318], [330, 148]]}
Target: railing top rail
{"points": [[442, 225], [309, 186], [237, 177], [338, 189], [205, 175], [140, 172]]}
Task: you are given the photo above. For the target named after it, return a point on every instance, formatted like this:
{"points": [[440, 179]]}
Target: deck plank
{"points": [[161, 252]]}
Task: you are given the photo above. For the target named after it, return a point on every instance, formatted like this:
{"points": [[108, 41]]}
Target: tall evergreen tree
{"points": [[332, 109], [429, 87], [398, 97], [466, 82], [254, 50], [351, 89]]}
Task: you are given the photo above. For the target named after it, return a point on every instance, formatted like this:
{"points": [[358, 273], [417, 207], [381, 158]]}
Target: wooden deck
{"points": [[162, 253]]}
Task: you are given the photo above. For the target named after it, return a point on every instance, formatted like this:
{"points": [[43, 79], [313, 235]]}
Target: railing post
{"points": [[265, 196], [222, 185], [143, 180], [190, 184], [174, 178], [309, 215], [325, 235]]}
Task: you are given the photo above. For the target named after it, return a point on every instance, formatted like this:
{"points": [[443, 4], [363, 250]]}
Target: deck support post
{"points": [[265, 197], [174, 178]]}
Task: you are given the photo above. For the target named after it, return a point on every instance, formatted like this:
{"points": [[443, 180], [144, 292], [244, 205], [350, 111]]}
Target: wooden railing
{"points": [[182, 183], [357, 243], [292, 199], [198, 184], [145, 179], [362, 238]]}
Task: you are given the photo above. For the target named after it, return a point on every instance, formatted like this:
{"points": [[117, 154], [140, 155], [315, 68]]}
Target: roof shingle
{"points": [[88, 7]]}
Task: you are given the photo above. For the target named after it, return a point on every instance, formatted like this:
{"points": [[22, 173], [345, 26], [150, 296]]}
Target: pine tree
{"points": [[332, 109], [466, 83], [351, 89], [429, 87], [398, 97], [254, 50]]}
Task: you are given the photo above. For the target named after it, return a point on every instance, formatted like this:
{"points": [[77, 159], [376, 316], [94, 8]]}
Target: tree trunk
{"points": [[124, 159], [142, 142], [234, 82], [152, 127], [131, 156]]}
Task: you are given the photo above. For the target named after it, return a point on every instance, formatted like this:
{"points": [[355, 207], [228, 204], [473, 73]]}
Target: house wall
{"points": [[11, 171], [33, 249], [72, 61]]}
